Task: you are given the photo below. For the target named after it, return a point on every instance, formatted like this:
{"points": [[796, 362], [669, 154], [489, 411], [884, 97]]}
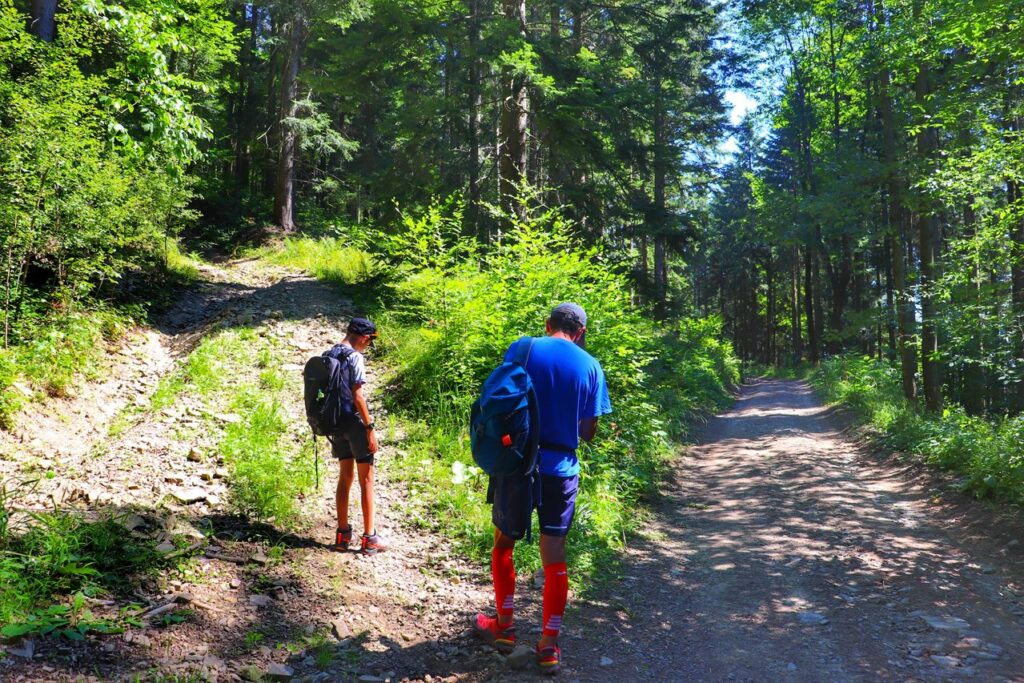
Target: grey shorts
{"points": [[352, 443]]}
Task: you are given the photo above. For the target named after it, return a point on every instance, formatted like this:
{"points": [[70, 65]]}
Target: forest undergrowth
{"points": [[448, 308]]}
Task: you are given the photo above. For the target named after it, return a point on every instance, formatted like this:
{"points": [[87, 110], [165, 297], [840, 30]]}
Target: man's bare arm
{"points": [[360, 403], [364, 412], [588, 428]]}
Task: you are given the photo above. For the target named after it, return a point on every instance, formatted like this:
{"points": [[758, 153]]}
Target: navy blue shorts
{"points": [[553, 497]]}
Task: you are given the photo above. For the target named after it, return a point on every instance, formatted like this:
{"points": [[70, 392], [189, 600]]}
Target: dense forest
{"points": [[877, 208], [871, 203]]}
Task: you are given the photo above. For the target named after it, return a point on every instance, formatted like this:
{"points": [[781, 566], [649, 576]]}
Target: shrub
{"points": [[453, 309]]}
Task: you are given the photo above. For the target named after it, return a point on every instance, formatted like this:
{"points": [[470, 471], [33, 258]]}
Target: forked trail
{"points": [[779, 551]]}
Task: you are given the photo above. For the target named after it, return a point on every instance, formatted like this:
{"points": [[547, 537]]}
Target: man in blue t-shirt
{"points": [[571, 396]]}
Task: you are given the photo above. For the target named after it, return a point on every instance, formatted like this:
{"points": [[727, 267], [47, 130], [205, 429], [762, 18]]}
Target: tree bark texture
{"points": [[44, 19], [284, 185], [514, 122]]}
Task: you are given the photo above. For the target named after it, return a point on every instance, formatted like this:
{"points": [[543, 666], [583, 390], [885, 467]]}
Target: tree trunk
{"points": [[769, 273], [904, 309], [247, 117], [797, 336], [659, 209], [514, 123], [473, 214], [812, 327], [974, 373], [927, 233], [44, 19], [1015, 199], [284, 185]]}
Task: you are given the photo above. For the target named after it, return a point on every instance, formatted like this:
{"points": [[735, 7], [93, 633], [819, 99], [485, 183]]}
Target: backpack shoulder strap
{"points": [[523, 348], [339, 352]]}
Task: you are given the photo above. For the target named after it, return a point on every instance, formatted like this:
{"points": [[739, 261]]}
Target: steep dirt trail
{"points": [[783, 553]]}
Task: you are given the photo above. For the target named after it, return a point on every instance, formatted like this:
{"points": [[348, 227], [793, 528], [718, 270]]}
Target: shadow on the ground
{"points": [[776, 522]]}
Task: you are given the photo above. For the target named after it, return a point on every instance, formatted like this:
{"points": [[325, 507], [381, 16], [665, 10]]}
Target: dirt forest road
{"points": [[778, 552], [783, 553]]}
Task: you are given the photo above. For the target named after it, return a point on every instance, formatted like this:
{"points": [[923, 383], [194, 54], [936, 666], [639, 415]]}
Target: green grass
{"points": [[450, 312], [268, 473], [209, 368], [989, 452], [229, 374], [55, 348], [181, 266], [327, 258], [53, 562]]}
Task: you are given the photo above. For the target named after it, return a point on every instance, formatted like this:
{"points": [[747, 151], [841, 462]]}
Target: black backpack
{"points": [[327, 395]]}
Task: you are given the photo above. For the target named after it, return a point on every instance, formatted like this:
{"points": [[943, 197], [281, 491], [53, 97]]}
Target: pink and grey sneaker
{"points": [[549, 659], [487, 629], [373, 544], [342, 539]]}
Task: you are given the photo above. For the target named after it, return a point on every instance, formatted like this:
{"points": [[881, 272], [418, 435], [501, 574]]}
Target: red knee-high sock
{"points": [[556, 594], [503, 570]]}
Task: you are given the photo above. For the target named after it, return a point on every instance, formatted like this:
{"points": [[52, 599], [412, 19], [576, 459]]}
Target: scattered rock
{"points": [[175, 478], [520, 658], [259, 600], [370, 678], [211, 662], [230, 418], [235, 583], [946, 660], [251, 673], [194, 455], [259, 558], [945, 623], [220, 473], [189, 495], [133, 522], [538, 579], [811, 618], [607, 661], [165, 547], [341, 629], [26, 651], [279, 672], [791, 666]]}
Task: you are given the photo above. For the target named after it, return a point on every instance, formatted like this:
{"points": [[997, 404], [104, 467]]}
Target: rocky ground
{"points": [[779, 551]]}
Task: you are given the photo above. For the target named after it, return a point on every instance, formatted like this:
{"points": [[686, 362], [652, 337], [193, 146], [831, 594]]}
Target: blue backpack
{"points": [[504, 425]]}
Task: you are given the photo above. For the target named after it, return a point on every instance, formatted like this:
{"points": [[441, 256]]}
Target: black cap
{"points": [[362, 326], [570, 316]]}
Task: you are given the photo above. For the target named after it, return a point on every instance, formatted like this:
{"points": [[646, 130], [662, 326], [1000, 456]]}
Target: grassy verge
{"points": [[989, 452], [51, 344], [449, 311], [230, 379], [55, 565]]}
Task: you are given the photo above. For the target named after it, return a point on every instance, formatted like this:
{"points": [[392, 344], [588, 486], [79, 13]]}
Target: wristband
{"points": [[370, 427]]}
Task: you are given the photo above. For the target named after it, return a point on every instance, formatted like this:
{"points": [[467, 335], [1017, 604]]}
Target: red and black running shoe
{"points": [[373, 544], [549, 659], [342, 539], [487, 629]]}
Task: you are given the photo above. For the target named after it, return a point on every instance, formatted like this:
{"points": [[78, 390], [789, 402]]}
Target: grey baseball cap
{"points": [[570, 315]]}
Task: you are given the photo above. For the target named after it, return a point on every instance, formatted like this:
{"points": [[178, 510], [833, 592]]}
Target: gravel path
{"points": [[781, 552]]}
